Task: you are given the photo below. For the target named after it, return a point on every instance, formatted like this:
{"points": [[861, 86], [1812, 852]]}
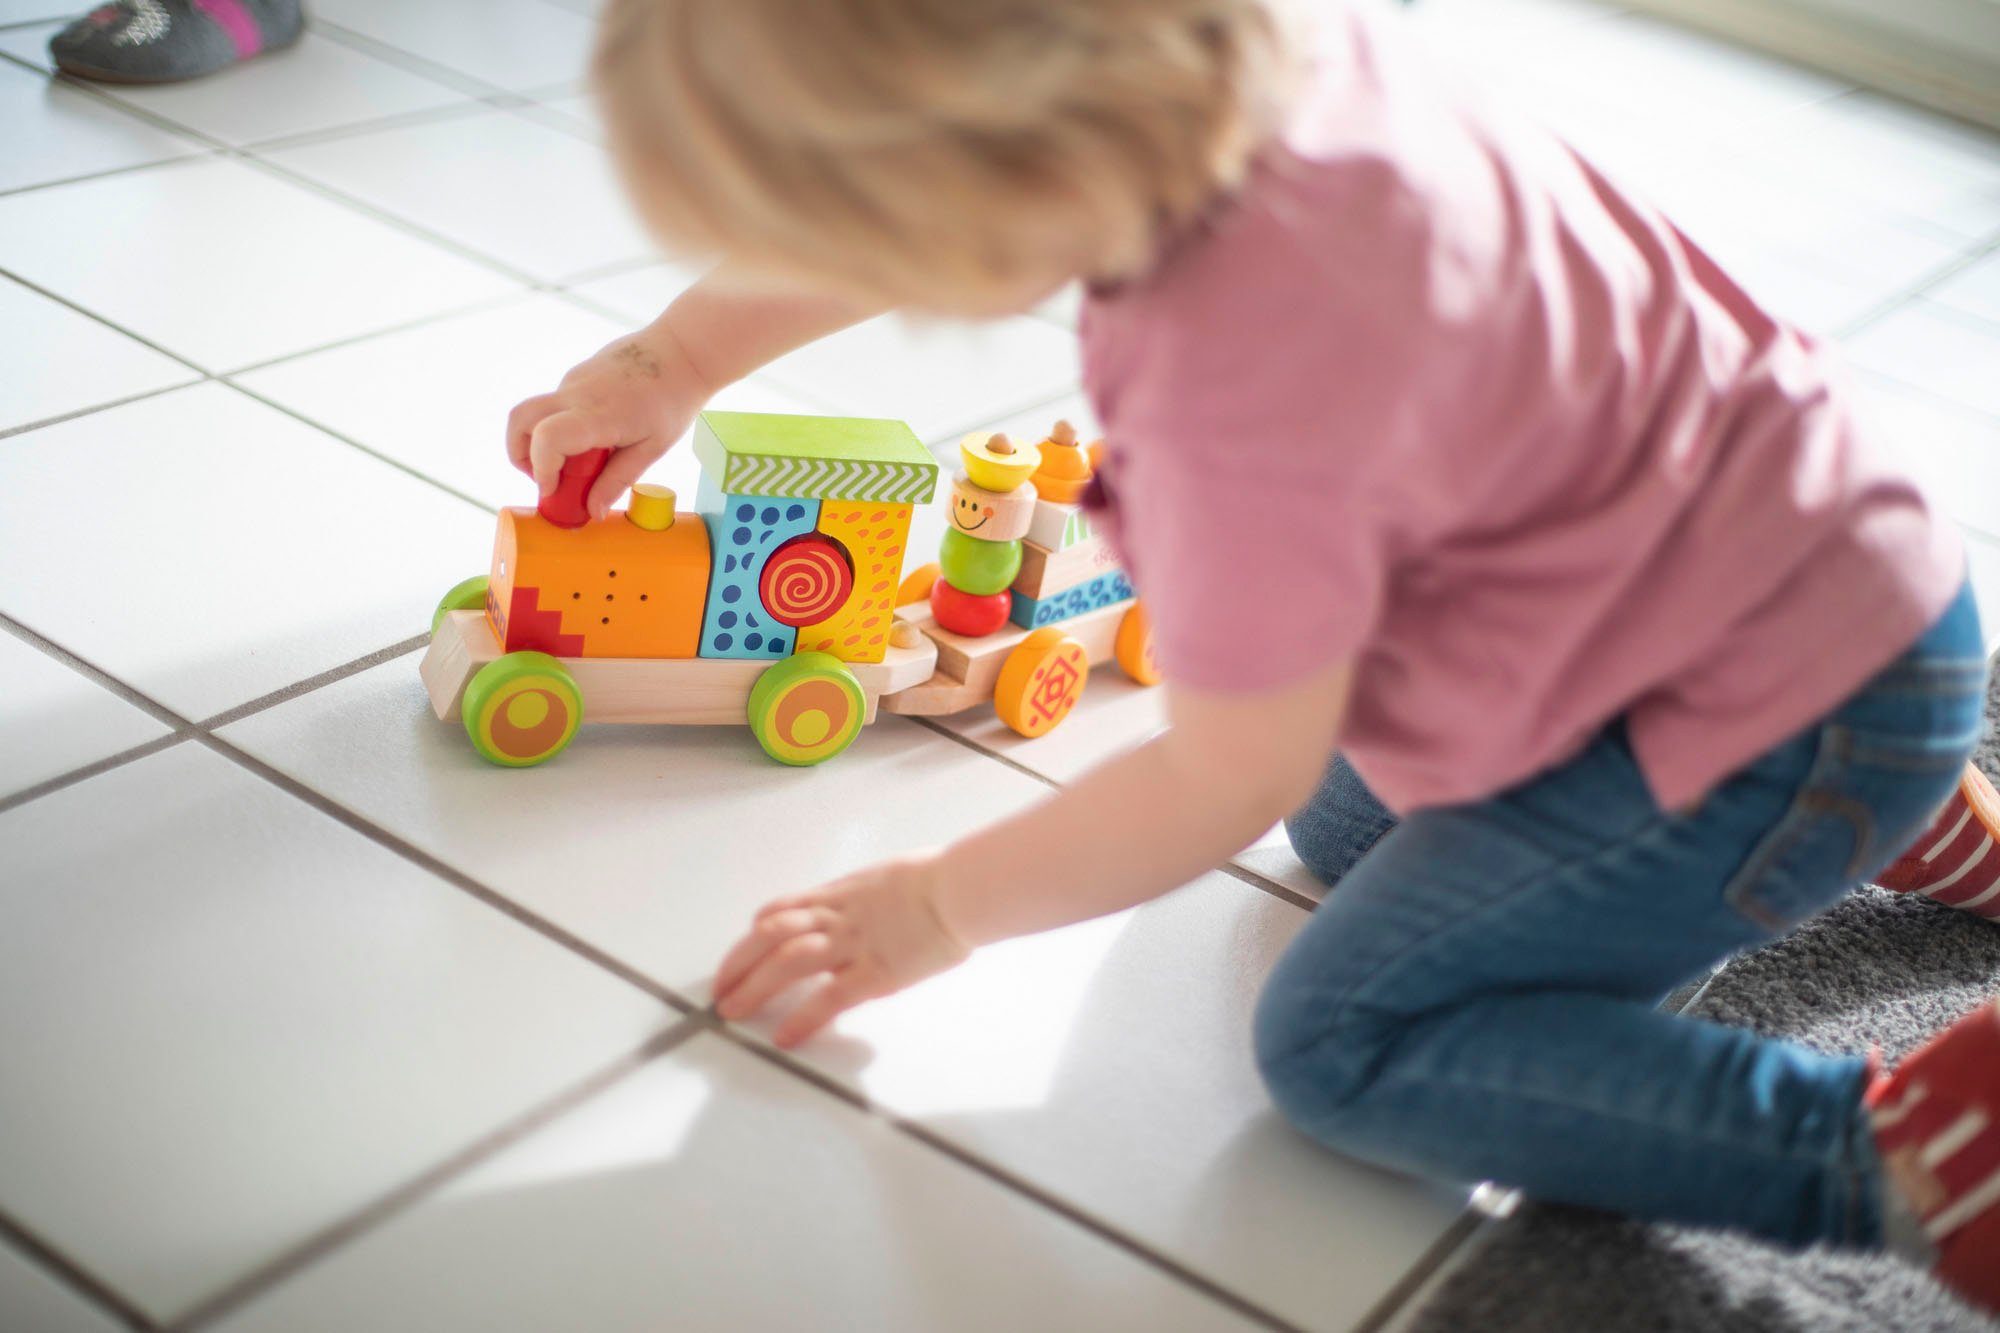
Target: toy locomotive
{"points": [[780, 602]]}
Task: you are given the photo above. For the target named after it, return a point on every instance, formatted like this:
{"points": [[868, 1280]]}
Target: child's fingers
{"points": [[627, 465], [521, 423], [785, 904], [555, 438], [818, 1009], [763, 936], [795, 959]]}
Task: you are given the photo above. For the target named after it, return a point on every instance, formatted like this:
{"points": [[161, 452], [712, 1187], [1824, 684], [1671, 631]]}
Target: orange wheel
{"points": [[917, 587], [1134, 646], [1041, 681]]}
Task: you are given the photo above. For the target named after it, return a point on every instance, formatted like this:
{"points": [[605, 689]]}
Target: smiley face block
{"points": [[990, 516]]}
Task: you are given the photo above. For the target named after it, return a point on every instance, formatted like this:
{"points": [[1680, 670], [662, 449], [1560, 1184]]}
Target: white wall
{"points": [[1945, 53]]}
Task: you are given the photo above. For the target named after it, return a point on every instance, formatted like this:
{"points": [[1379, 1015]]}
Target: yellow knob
{"points": [[652, 507]]}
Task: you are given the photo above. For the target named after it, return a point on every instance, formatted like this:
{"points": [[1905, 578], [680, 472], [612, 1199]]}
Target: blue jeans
{"points": [[1478, 998]]}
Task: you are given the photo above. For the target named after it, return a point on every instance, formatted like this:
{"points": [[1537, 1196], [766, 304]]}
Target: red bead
{"points": [[969, 613]]}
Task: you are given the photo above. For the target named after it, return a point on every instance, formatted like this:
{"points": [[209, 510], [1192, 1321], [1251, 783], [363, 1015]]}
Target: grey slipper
{"points": [[162, 41]]}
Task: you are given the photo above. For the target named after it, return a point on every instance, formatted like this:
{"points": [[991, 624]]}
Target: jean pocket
{"points": [[1812, 856]]}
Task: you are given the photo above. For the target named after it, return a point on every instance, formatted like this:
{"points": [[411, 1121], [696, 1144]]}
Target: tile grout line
{"points": [[87, 313], [704, 1016], [611, 269], [407, 61], [1436, 1256], [278, 170], [450, 874], [483, 306], [1974, 253], [355, 444], [103, 97], [203, 155], [445, 112], [226, 377], [706, 1019], [332, 675], [473, 96], [399, 1199], [692, 1020], [994, 1171], [72, 1275], [496, 266], [180, 728], [59, 418], [50, 786], [145, 703]]}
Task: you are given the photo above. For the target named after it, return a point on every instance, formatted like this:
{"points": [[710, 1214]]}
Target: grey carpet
{"points": [[1878, 968]]}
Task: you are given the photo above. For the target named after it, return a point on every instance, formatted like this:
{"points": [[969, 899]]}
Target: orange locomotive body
{"points": [[612, 589]]}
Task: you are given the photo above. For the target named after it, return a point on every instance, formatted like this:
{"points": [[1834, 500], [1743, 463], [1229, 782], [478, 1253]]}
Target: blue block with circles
{"points": [[743, 530], [1106, 589]]}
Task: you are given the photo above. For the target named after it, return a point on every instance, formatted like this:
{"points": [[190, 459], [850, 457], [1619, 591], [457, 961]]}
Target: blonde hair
{"points": [[935, 153]]}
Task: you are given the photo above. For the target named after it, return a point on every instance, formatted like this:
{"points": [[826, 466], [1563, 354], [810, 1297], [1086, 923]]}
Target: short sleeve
{"points": [[1258, 567], [1280, 397]]}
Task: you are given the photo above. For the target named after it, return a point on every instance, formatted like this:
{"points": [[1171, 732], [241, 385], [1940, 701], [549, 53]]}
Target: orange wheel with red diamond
{"points": [[1041, 681]]}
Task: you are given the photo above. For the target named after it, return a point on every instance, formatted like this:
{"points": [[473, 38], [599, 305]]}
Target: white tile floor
{"points": [[310, 1020]]}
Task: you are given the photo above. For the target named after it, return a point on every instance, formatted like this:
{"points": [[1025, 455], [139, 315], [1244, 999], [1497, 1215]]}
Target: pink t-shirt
{"points": [[1432, 394]]}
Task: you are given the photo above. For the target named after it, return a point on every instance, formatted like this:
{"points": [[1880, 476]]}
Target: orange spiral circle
{"points": [[805, 580]]}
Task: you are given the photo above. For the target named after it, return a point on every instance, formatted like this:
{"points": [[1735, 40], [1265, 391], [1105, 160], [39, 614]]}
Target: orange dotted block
{"points": [[606, 589], [874, 535]]}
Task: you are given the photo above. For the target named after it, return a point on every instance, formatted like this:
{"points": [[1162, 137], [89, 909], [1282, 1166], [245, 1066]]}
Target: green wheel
{"points": [[807, 709], [521, 709], [467, 596]]}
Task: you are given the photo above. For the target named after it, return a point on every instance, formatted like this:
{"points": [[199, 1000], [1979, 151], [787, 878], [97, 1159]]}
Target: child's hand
{"points": [[877, 932], [635, 397]]}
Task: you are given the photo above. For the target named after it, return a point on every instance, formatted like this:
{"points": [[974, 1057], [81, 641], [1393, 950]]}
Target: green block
{"points": [[814, 458]]}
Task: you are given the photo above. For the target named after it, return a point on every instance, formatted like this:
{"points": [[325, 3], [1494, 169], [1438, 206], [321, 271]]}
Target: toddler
{"points": [[1433, 450]]}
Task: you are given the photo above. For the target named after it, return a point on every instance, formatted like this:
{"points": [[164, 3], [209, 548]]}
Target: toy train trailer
{"points": [[774, 604]]}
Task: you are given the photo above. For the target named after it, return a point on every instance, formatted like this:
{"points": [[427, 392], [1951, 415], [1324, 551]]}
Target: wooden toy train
{"points": [[781, 600]]}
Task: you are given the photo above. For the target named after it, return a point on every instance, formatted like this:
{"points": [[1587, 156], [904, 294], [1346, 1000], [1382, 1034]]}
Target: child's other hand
{"points": [[634, 397], [876, 932]]}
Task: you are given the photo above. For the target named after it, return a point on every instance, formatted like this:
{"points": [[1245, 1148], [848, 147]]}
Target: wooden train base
{"points": [[523, 708], [686, 691], [968, 669]]}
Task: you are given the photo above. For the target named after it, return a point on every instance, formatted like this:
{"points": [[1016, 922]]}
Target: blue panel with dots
{"points": [[1102, 591], [743, 530]]}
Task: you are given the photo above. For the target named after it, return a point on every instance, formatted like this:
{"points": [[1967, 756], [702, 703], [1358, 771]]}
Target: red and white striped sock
{"points": [[1937, 1129], [1956, 860]]}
